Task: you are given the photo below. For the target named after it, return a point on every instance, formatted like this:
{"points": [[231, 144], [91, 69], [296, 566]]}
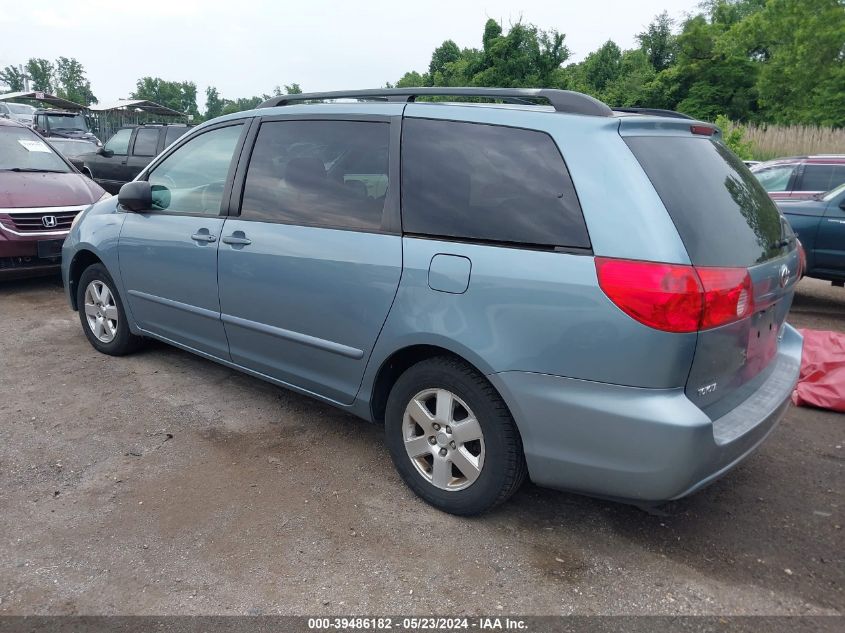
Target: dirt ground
{"points": [[162, 483]]}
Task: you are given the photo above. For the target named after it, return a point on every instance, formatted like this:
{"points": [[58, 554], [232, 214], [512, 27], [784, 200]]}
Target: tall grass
{"points": [[774, 141]]}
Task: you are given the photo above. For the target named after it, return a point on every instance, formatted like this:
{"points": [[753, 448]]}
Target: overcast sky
{"points": [[246, 47]]}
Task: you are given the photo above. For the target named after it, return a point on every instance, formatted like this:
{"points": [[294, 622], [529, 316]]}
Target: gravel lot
{"points": [[162, 483]]}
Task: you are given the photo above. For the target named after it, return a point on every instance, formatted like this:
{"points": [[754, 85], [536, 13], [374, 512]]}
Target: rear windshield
{"points": [[722, 213]]}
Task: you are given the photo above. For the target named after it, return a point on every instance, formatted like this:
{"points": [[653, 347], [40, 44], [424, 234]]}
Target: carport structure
{"points": [[43, 98], [109, 117]]}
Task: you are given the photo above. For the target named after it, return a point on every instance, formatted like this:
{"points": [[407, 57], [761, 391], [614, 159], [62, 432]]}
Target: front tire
{"points": [[452, 438], [102, 315]]}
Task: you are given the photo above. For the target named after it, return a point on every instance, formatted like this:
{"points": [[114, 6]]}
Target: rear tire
{"points": [[452, 438], [102, 315]]}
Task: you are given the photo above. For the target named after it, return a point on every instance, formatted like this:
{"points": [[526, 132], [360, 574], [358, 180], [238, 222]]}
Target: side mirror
{"points": [[136, 196], [105, 153]]}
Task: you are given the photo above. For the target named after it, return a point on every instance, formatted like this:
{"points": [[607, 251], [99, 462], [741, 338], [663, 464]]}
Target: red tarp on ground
{"points": [[822, 379]]}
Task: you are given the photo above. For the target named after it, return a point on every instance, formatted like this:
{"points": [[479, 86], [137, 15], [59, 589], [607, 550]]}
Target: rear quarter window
{"points": [[722, 213], [487, 183]]}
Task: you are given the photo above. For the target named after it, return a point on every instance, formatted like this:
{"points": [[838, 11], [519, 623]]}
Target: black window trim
{"points": [[557, 248], [247, 123], [390, 218]]}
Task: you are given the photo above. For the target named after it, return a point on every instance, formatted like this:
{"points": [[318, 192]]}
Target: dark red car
{"points": [[800, 176], [40, 195]]}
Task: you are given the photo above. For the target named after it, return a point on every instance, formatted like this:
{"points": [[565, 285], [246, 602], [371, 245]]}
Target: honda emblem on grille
{"points": [[784, 275], [49, 221]]}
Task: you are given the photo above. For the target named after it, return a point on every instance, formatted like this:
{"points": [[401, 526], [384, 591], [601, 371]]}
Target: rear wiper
{"points": [[35, 170], [782, 243]]}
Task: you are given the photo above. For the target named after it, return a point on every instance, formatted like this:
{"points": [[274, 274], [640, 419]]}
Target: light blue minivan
{"points": [[591, 298]]}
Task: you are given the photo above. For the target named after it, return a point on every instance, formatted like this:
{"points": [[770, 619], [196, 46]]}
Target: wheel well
{"points": [[394, 367], [81, 261]]}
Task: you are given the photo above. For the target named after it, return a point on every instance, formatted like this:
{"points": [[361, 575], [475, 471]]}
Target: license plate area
{"points": [[50, 249], [762, 339]]}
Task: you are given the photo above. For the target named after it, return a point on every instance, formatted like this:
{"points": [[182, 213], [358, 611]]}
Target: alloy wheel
{"points": [[101, 311], [443, 439]]}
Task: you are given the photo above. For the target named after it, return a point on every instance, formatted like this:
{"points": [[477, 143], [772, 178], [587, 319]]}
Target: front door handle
{"points": [[240, 240], [203, 237]]}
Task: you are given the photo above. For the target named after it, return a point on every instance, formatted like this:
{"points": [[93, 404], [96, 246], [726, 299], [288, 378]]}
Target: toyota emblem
{"points": [[784, 275], [49, 221]]}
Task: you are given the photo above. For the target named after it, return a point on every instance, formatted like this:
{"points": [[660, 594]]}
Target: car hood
{"points": [[809, 206], [46, 190]]}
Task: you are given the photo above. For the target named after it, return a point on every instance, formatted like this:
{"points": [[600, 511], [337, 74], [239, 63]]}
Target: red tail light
{"points": [[676, 298], [704, 130]]}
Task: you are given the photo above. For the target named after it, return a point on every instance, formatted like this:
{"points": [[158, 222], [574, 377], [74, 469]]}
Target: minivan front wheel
{"points": [[452, 437], [101, 313]]}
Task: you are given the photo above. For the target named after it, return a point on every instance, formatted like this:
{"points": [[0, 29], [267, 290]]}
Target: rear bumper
{"points": [[637, 444]]}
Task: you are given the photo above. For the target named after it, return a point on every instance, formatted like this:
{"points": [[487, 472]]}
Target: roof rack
{"points": [[656, 112], [561, 100]]}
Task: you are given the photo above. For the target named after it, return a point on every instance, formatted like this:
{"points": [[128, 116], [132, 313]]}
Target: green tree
{"points": [[411, 80], [710, 77], [188, 98], [733, 136], [800, 50], [179, 96], [445, 54], [525, 56], [244, 103], [40, 71], [71, 83], [602, 67], [293, 89], [213, 103], [634, 84], [658, 43], [13, 78]]}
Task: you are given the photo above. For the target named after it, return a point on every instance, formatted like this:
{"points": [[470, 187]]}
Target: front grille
{"points": [[34, 222]]}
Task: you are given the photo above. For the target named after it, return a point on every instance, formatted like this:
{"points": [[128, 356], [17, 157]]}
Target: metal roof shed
{"points": [[112, 116], [43, 97]]}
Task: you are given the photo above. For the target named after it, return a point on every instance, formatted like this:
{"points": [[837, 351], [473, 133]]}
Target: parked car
{"points": [[126, 153], [70, 148], [820, 224], [459, 273], [63, 124], [20, 112], [800, 177], [40, 194]]}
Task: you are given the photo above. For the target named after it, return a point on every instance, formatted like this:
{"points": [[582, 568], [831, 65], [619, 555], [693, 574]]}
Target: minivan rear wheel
{"points": [[102, 315], [452, 437]]}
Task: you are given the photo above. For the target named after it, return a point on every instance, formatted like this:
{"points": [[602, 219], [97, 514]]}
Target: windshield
{"points": [[23, 150], [72, 148], [20, 108], [65, 122], [830, 195]]}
